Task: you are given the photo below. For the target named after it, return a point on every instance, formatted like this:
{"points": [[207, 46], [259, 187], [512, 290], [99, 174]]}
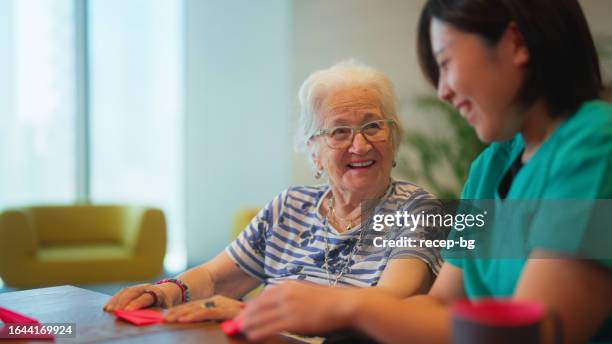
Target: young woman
{"points": [[526, 76]]}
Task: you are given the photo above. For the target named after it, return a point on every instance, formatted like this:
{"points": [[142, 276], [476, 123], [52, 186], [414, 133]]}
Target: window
{"points": [[136, 109], [133, 106], [37, 102]]}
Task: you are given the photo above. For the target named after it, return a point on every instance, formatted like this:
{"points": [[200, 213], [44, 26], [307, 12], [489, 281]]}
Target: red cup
{"points": [[497, 321]]}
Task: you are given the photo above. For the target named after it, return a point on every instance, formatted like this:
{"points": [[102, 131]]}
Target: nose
{"points": [[360, 145], [445, 93]]}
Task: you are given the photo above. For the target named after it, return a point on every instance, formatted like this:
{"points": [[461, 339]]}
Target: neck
{"points": [[347, 204], [537, 127]]}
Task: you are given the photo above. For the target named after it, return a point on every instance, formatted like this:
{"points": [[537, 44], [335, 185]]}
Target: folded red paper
{"points": [[12, 318], [9, 317], [230, 327], [141, 317]]}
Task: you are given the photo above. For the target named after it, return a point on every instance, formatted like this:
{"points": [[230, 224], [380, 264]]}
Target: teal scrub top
{"points": [[574, 163]]}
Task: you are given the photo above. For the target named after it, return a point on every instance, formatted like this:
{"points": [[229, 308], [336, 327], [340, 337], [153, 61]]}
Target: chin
{"points": [[485, 137], [489, 136], [364, 183]]}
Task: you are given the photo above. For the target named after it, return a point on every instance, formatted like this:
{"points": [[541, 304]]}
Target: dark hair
{"points": [[563, 68]]}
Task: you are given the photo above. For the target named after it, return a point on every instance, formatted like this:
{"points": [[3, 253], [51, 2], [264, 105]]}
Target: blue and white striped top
{"points": [[286, 240]]}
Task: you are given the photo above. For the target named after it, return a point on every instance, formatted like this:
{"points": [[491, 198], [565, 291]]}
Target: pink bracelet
{"points": [[180, 284]]}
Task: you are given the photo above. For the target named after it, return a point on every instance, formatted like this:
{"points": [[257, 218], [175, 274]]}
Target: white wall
{"points": [[237, 114], [599, 15]]}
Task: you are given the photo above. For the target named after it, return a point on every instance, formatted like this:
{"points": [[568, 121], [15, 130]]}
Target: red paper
{"points": [[499, 312], [141, 317], [9, 317], [230, 327]]}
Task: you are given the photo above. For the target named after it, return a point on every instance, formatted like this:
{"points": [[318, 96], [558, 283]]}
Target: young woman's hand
{"points": [[300, 308]]}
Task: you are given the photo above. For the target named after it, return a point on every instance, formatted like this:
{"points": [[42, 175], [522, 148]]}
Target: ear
{"points": [[316, 161], [520, 51], [314, 155]]}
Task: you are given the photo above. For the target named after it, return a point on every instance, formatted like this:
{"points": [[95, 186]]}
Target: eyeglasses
{"points": [[342, 136]]}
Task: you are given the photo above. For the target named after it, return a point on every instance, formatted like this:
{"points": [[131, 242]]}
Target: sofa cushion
{"points": [[107, 252], [81, 224]]}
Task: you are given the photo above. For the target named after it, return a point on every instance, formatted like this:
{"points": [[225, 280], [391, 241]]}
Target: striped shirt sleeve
{"points": [[248, 250]]}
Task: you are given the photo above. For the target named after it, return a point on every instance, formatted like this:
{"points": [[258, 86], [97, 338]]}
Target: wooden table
{"points": [[68, 304]]}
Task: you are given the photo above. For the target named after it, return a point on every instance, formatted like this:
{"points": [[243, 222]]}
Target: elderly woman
{"points": [[350, 129]]}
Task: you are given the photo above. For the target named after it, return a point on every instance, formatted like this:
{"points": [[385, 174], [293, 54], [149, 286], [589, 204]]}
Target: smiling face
{"points": [[363, 167], [480, 81]]}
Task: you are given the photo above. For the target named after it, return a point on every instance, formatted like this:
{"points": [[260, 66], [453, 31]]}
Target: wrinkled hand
{"points": [[135, 297], [299, 308], [219, 308]]}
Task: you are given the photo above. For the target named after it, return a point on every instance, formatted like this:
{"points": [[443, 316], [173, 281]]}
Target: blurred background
{"points": [[190, 106]]}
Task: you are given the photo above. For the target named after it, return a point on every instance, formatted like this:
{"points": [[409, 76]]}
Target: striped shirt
{"points": [[287, 239]]}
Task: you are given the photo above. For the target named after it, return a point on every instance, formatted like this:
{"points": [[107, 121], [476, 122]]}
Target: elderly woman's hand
{"points": [[300, 308], [217, 307], [140, 296]]}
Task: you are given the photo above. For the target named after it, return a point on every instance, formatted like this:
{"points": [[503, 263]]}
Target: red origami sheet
{"points": [[141, 317], [230, 327], [19, 326]]}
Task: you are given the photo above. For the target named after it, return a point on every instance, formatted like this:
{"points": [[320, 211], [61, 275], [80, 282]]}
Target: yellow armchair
{"points": [[242, 218], [80, 244]]}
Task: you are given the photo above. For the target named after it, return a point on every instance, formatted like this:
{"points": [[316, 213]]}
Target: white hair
{"points": [[341, 76]]}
